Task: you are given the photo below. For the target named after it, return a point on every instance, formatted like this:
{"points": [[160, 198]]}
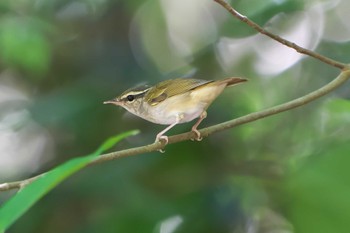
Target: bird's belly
{"points": [[176, 110]]}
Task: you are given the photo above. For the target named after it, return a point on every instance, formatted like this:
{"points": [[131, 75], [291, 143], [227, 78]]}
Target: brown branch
{"points": [[18, 184], [342, 78], [338, 81], [281, 40]]}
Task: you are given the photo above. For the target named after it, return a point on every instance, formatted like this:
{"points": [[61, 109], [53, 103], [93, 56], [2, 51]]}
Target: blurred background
{"points": [[60, 59]]}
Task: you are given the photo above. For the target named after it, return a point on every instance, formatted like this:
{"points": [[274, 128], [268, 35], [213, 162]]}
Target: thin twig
{"points": [[281, 40], [18, 184]]}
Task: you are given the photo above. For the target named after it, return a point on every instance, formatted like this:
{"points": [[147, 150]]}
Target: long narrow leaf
{"points": [[31, 193]]}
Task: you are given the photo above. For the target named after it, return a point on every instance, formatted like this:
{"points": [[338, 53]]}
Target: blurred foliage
{"points": [[261, 13], [319, 191], [24, 45], [61, 59]]}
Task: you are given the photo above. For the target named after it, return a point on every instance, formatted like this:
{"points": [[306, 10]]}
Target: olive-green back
{"points": [[168, 88]]}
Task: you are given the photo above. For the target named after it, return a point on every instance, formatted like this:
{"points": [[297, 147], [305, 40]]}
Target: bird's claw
{"points": [[165, 139], [161, 151], [198, 135]]}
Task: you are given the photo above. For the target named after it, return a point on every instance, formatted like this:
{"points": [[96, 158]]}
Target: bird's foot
{"points": [[163, 140], [198, 135]]}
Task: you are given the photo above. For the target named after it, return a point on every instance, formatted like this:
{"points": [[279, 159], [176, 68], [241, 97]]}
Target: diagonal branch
{"points": [[18, 184], [341, 79], [281, 40], [338, 81]]}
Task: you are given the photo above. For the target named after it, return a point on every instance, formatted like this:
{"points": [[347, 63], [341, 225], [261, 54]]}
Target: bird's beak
{"points": [[114, 101]]}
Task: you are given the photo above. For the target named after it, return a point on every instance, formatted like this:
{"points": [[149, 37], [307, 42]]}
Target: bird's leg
{"points": [[160, 135], [194, 127]]}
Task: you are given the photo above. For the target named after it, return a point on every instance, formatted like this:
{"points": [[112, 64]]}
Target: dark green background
{"points": [[287, 173]]}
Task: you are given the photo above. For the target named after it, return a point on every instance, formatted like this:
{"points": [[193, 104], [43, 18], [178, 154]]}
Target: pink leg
{"points": [[160, 135], [194, 127]]}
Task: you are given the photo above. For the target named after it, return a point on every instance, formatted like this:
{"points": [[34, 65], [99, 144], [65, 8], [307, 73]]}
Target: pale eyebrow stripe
{"points": [[136, 94]]}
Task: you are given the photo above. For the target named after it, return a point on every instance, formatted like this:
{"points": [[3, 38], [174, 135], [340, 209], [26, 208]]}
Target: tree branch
{"points": [[18, 184], [338, 81], [342, 78], [281, 40]]}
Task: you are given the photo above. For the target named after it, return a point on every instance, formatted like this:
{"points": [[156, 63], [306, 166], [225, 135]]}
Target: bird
{"points": [[173, 101]]}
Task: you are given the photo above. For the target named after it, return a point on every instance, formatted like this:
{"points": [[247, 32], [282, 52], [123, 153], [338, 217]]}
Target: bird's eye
{"points": [[130, 98]]}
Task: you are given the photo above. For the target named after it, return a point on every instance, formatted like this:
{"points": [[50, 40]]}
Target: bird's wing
{"points": [[172, 87]]}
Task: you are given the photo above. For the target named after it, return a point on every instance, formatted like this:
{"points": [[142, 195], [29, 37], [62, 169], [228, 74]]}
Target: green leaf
{"points": [[113, 140], [31, 193]]}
